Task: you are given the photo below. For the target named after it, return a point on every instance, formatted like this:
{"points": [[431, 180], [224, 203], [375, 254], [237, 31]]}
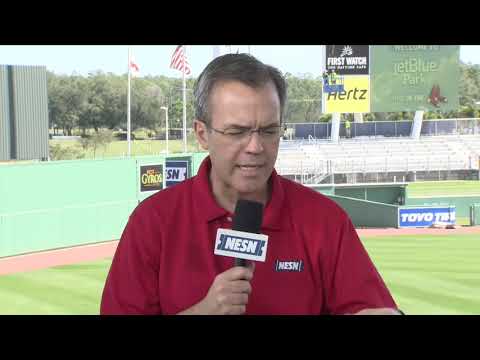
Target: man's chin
{"points": [[250, 185]]}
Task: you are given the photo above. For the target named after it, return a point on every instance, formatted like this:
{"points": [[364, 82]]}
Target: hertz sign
{"points": [[354, 99], [151, 178]]}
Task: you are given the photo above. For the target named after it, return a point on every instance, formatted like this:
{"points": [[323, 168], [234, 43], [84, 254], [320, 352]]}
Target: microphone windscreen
{"points": [[248, 216]]}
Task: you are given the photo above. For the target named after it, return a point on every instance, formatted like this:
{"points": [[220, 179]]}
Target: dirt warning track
{"points": [[86, 253]]}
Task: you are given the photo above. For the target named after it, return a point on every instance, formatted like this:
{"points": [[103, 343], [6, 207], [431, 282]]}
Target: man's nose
{"points": [[254, 144]]}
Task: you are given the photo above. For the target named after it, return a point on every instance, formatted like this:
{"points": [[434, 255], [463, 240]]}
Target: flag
{"points": [[179, 59], [134, 68]]}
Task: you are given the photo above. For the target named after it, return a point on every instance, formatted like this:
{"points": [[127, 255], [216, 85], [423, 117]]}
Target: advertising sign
{"points": [[426, 217], [347, 59], [414, 77], [151, 177], [353, 97], [176, 171]]}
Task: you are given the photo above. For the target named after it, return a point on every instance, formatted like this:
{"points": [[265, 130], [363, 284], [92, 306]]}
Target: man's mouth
{"points": [[250, 167]]}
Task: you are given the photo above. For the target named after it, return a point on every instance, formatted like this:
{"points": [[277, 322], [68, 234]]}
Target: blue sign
{"points": [[333, 88], [176, 171], [426, 216]]}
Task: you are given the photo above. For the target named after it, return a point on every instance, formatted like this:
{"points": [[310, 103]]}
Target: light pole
{"points": [[166, 124], [475, 127]]}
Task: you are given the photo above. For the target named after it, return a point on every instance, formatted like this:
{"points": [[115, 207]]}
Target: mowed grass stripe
{"points": [[52, 284], [73, 289], [423, 239], [413, 305], [446, 300], [69, 274], [473, 282], [426, 259], [434, 284], [418, 306], [430, 268], [416, 253], [430, 274], [15, 303], [94, 271], [424, 244], [422, 189], [39, 297]]}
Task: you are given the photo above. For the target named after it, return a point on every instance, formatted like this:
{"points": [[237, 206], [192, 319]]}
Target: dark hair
{"points": [[235, 67]]}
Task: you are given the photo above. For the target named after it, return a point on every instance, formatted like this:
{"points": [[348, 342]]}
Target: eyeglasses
{"points": [[239, 133]]}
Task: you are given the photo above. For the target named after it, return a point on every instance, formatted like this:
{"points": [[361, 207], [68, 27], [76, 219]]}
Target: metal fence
{"points": [[400, 128]]}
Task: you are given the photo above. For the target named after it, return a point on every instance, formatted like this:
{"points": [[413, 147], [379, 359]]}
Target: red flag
{"points": [[134, 68], [179, 60]]}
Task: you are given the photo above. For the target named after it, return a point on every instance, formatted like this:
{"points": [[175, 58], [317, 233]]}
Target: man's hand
{"points": [[379, 311], [228, 294]]}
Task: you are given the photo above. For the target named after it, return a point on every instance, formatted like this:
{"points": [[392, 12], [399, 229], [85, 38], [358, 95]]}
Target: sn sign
{"points": [[176, 174]]}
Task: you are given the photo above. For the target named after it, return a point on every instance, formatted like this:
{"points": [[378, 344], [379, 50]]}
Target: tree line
{"points": [[99, 100]]}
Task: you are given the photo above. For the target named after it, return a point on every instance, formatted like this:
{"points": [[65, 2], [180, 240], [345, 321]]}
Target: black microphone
{"points": [[248, 218]]}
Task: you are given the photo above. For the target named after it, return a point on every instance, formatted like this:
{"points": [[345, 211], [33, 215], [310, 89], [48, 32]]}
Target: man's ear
{"points": [[200, 129]]}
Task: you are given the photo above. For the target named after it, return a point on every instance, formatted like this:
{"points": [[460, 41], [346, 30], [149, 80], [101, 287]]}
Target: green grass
{"points": [[430, 274], [444, 188], [138, 147], [62, 290], [426, 275]]}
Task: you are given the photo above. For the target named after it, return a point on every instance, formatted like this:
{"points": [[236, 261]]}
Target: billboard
{"points": [[347, 59], [349, 94], [414, 77], [151, 177], [426, 216], [176, 171]]}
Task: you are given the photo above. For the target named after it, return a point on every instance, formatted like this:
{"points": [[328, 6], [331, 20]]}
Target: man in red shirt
{"points": [[315, 262]]}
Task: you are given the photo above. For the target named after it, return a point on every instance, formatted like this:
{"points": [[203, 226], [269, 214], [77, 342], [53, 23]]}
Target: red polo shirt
{"points": [[315, 262]]}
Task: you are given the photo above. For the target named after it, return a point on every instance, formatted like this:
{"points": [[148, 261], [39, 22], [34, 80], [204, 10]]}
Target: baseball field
{"points": [[427, 274], [428, 271]]}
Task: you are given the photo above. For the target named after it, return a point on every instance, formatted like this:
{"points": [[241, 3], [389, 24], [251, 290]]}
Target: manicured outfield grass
{"points": [[71, 289], [444, 188], [430, 274], [426, 275], [138, 147]]}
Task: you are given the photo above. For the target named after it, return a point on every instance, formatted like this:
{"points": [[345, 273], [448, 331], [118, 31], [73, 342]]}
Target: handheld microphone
{"points": [[248, 218]]}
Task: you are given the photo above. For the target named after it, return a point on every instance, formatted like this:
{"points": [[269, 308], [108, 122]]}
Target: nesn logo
{"points": [[296, 265], [241, 244]]}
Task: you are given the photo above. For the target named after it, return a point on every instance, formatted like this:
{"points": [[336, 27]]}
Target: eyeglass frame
{"points": [[245, 130]]}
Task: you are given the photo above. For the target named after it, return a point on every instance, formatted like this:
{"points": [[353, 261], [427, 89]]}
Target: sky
{"points": [[155, 59]]}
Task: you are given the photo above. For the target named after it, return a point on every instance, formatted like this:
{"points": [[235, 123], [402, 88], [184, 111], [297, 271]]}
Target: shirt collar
{"points": [[205, 203], [274, 217]]}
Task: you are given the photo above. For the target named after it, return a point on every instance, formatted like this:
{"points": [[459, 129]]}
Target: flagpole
{"points": [[128, 106], [184, 102]]}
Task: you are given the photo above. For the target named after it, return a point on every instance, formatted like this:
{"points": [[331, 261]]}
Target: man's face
{"points": [[241, 164]]}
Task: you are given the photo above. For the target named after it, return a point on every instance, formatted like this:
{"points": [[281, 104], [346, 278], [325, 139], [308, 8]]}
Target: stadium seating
{"points": [[315, 159]]}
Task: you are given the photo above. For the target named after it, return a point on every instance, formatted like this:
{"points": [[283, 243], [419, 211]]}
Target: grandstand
{"points": [[380, 159]]}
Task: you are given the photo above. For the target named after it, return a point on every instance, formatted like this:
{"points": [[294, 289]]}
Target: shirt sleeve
{"points": [[353, 282], [132, 282]]}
